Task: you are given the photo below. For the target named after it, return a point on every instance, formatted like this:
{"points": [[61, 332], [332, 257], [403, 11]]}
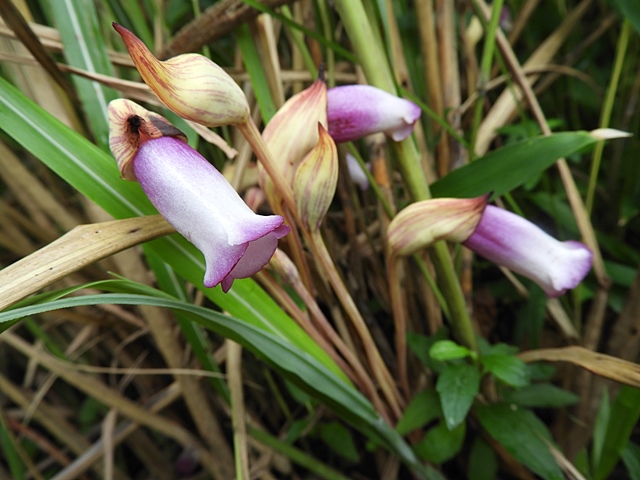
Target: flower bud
{"points": [[316, 180], [293, 132], [354, 111], [191, 85], [423, 223], [192, 195]]}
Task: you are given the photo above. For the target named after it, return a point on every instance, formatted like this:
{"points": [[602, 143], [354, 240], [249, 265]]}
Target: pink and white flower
{"points": [[354, 111], [513, 242], [498, 235], [192, 195]]}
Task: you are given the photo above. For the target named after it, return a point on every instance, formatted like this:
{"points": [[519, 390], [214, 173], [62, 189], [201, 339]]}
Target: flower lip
{"points": [[130, 125]]}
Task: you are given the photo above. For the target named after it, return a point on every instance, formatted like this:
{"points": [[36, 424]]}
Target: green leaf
{"points": [[339, 439], [10, 452], [293, 362], [509, 167], [631, 459], [507, 368], [441, 444], [423, 408], [253, 64], [420, 346], [483, 464], [523, 435], [84, 47], [600, 429], [94, 173], [630, 10], [449, 350], [457, 385], [540, 395], [625, 412]]}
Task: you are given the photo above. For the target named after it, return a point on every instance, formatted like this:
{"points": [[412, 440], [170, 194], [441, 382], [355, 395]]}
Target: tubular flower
{"points": [[192, 195], [509, 240], [191, 85], [498, 235], [354, 111]]}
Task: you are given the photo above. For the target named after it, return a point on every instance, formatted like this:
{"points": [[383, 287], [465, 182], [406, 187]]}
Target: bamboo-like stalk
{"points": [[429, 44]]}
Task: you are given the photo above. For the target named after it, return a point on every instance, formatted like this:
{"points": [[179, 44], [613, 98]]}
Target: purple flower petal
{"points": [[199, 202], [354, 111], [511, 241]]}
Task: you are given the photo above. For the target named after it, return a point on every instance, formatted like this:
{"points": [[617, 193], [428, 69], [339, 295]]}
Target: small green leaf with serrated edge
{"points": [[420, 345], [457, 385], [447, 350], [422, 409], [441, 444], [507, 368]]}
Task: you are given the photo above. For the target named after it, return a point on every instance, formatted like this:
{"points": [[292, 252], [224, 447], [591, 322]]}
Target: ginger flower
{"points": [[192, 195]]}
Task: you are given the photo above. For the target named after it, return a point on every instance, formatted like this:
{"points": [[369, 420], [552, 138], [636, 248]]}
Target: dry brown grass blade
{"points": [[46, 416], [50, 39], [14, 19], [78, 248], [450, 81], [110, 397], [606, 366], [162, 326], [35, 197], [507, 103], [92, 454], [217, 20]]}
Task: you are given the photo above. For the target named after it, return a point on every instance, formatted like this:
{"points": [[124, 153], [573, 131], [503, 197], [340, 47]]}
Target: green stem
{"points": [[372, 59], [377, 364], [605, 119], [296, 455], [298, 39], [485, 69]]}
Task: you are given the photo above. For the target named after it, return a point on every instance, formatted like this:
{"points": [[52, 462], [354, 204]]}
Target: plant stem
{"points": [[251, 133], [605, 118], [290, 212], [379, 75], [378, 367]]}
